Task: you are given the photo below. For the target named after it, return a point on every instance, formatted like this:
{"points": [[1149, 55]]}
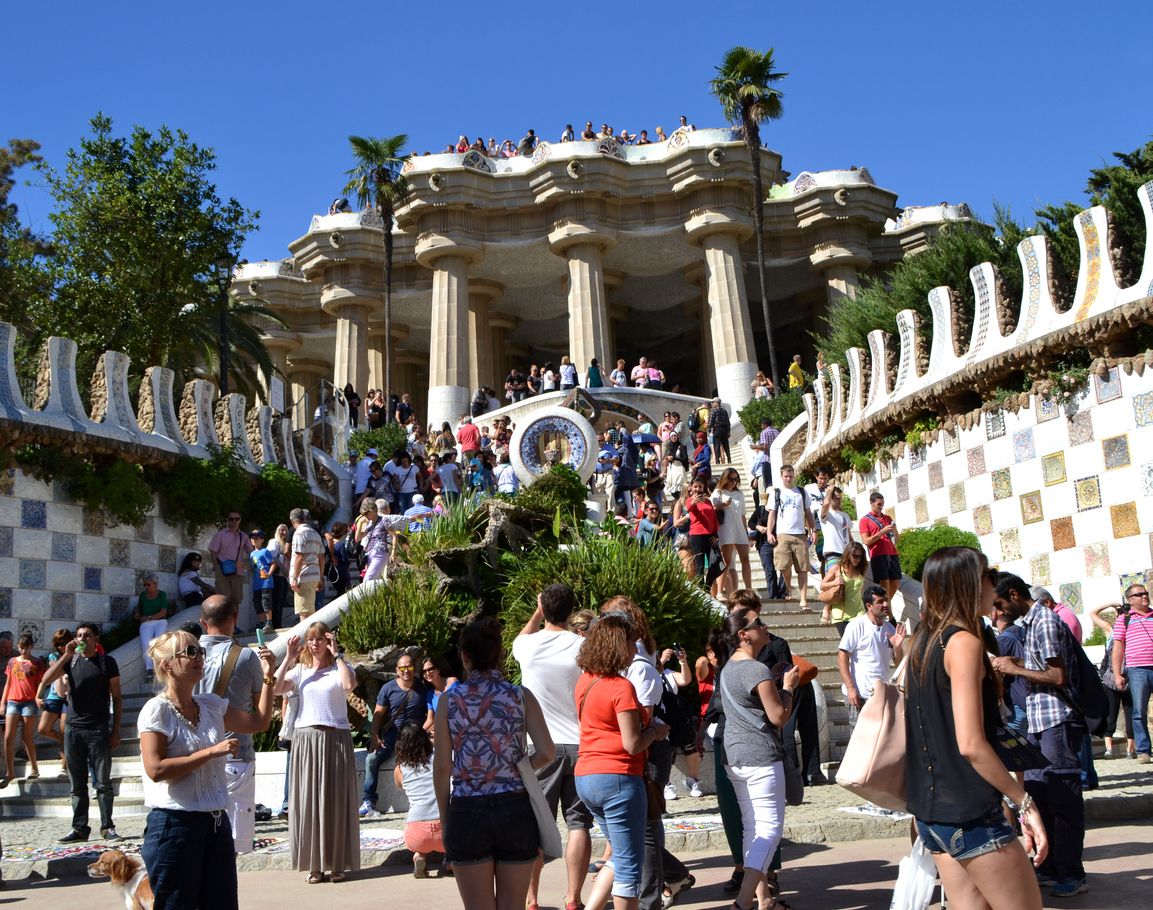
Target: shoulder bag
{"points": [[550, 842], [873, 766], [833, 592]]}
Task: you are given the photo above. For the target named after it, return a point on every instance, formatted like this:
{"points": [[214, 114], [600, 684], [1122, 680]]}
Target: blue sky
{"points": [[971, 102]]}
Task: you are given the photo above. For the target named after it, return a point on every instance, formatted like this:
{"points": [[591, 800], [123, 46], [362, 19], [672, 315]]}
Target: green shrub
{"points": [[200, 492], [457, 526], [277, 492], [598, 568], [861, 462], [386, 440], [560, 489], [779, 410], [918, 544], [117, 488], [1097, 638]]}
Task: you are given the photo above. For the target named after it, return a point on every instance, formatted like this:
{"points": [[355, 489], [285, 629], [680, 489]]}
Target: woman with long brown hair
{"points": [[955, 780], [732, 532], [849, 571]]}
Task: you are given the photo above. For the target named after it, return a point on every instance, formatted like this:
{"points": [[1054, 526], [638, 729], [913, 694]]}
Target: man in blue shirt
{"points": [[401, 701], [420, 516]]}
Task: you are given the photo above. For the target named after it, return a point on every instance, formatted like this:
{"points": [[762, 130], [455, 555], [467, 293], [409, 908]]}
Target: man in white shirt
{"points": [[547, 658], [362, 474], [790, 531], [816, 492], [867, 649]]}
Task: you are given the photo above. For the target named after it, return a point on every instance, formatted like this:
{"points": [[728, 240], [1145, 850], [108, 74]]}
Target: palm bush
{"points": [[410, 610], [561, 488], [780, 410], [919, 544], [457, 526]]}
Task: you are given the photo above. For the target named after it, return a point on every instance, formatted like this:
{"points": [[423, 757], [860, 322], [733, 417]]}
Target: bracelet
{"points": [[1025, 806], [270, 680]]}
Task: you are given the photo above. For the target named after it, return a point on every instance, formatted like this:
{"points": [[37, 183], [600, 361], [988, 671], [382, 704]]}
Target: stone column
{"points": [[376, 356], [584, 245], [279, 345], [841, 281], [481, 360], [719, 235], [350, 354], [304, 377], [448, 393], [840, 262], [500, 324]]}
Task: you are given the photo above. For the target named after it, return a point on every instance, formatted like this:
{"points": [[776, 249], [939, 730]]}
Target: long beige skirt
{"points": [[324, 829]]}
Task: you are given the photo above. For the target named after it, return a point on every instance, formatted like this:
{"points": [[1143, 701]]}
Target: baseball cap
{"points": [[256, 532]]}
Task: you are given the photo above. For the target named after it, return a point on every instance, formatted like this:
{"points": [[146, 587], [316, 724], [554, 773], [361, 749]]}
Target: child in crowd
{"points": [[22, 682], [413, 775], [263, 568]]}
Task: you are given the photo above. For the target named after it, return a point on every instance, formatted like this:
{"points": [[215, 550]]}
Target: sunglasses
{"points": [[755, 624], [405, 669], [191, 652], [428, 670], [1139, 594]]}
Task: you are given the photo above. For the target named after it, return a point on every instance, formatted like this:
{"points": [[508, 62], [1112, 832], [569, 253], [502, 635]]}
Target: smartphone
{"points": [[260, 636]]}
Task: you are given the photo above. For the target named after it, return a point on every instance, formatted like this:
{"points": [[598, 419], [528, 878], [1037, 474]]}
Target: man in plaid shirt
{"points": [[1055, 728]]}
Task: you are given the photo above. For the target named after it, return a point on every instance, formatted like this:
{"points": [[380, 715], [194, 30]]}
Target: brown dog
{"points": [[128, 876]]}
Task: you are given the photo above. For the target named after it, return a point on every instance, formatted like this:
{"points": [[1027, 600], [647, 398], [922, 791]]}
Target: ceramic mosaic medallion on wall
{"points": [[921, 509], [1002, 484], [1023, 446], [886, 468], [1031, 511], [1062, 531], [917, 457], [1146, 474], [1116, 451], [1124, 518], [976, 459], [994, 424], [1109, 387], [936, 476], [1047, 409], [1088, 491], [952, 443], [983, 520], [903, 488], [1097, 560], [1010, 544], [1071, 596], [956, 497], [1039, 570], [1132, 578], [1053, 468], [1080, 428], [1143, 409]]}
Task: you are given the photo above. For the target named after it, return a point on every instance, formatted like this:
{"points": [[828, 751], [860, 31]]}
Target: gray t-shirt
{"points": [[246, 682], [750, 740]]}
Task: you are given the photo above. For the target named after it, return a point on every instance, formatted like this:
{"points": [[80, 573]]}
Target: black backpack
{"points": [[694, 421], [1083, 690], [674, 712]]}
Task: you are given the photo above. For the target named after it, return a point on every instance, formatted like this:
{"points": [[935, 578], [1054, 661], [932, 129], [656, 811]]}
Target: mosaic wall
{"points": [[1058, 493]]}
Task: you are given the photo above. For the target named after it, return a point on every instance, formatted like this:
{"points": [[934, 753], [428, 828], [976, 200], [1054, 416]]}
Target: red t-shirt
{"points": [[24, 678], [601, 749], [468, 436], [870, 524], [703, 518]]}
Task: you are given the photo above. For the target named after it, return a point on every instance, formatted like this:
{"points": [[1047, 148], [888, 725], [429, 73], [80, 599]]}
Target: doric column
{"points": [[499, 325], [584, 245], [840, 261], [449, 259], [841, 281], [482, 369], [376, 354], [351, 305], [719, 235], [279, 344], [304, 378]]}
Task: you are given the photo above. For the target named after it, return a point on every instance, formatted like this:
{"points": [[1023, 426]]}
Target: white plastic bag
{"points": [[915, 881]]}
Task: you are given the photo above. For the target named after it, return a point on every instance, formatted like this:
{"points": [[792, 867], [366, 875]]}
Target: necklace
{"points": [[180, 713]]}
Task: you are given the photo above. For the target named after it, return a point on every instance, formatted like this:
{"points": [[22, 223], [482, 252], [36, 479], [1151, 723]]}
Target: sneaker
{"points": [[1143, 758], [74, 837], [670, 791], [419, 867], [109, 834], [1068, 889], [367, 808], [1045, 881], [268, 628], [673, 890], [694, 788]]}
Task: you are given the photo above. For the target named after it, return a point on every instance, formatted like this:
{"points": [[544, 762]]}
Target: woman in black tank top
{"points": [[955, 780]]}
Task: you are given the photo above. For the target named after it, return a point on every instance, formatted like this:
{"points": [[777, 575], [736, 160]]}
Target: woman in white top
{"points": [[732, 532], [188, 848], [412, 775], [324, 829], [835, 527], [548, 379], [568, 374]]}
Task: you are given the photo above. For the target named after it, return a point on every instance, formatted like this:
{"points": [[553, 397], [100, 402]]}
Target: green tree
{"points": [[744, 87], [23, 277], [138, 225], [377, 181]]}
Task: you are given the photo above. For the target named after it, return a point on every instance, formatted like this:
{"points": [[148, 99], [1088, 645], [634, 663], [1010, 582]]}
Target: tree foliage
{"points": [[23, 277]]}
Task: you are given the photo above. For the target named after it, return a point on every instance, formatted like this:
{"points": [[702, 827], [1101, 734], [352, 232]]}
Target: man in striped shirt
{"points": [[1133, 662]]}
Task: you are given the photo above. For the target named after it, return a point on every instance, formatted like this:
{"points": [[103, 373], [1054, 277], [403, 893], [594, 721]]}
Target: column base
{"points": [[447, 403], [734, 385]]}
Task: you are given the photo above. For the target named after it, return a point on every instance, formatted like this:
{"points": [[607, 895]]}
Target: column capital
{"points": [[432, 246], [844, 254], [505, 321], [336, 299], [568, 233], [309, 366], [703, 223], [278, 339], [482, 289], [613, 278], [415, 358], [400, 332]]}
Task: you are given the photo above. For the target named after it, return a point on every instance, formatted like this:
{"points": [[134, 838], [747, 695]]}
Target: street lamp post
{"points": [[222, 276]]}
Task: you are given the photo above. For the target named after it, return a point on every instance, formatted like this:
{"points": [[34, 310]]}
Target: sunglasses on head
{"points": [[191, 652]]}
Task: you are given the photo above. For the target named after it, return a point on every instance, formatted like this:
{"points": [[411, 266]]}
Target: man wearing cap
{"points": [[264, 566], [418, 515]]}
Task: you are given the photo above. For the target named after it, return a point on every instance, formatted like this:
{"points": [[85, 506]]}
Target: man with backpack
{"points": [[790, 530]]}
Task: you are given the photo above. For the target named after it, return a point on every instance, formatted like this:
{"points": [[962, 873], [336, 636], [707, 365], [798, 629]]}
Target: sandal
{"points": [[337, 877], [315, 878]]}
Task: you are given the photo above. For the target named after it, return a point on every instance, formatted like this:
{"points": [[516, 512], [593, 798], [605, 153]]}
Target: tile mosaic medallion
{"points": [[121, 607], [1062, 531], [118, 552], [1088, 490], [33, 573], [1047, 409], [956, 497], [994, 424], [64, 547], [33, 514], [1116, 451], [903, 488], [1031, 510], [1002, 484], [63, 605], [936, 476], [1097, 560], [1124, 518], [1080, 428], [1053, 468], [1109, 387], [921, 509], [1132, 578], [94, 522], [976, 459], [1010, 544], [983, 520], [917, 457], [952, 443], [1023, 446], [1146, 474], [1143, 409], [1039, 572], [93, 578], [1071, 596], [886, 468]]}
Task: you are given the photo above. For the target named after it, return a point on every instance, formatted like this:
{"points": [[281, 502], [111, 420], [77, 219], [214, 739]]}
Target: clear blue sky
{"points": [[973, 102]]}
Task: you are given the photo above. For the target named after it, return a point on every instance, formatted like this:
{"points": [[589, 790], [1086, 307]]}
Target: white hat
{"points": [[417, 499]]}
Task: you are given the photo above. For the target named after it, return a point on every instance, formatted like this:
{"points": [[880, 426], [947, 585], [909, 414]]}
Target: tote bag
{"points": [[550, 842], [874, 762]]}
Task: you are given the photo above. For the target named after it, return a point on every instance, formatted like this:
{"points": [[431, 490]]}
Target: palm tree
{"points": [[377, 181], [744, 87]]}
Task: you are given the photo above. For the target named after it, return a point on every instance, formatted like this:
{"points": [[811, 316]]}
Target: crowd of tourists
{"points": [[527, 144]]}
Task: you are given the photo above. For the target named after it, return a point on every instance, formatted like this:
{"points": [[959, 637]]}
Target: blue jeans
{"points": [[1140, 686], [190, 858], [88, 750], [617, 802], [970, 840], [374, 761], [1057, 792]]}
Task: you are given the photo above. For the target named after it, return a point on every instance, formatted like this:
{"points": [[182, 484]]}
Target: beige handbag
{"points": [[874, 764]]}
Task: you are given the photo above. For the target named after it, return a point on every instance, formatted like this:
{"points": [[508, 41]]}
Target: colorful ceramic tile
{"points": [[1143, 409], [1080, 428], [1088, 491], [118, 553], [63, 605], [1146, 474], [5, 542], [5, 603], [121, 607], [1116, 451], [93, 578], [1097, 560], [1109, 387], [921, 509], [983, 520], [917, 457], [1031, 510], [1010, 544], [936, 476], [1132, 578], [64, 547], [976, 459], [994, 424], [1023, 446], [903, 488], [886, 468], [1053, 468], [941, 522], [956, 497], [1002, 484], [33, 514], [1039, 572], [146, 530], [1047, 409], [952, 443], [1124, 518], [1062, 530], [168, 559], [94, 522], [33, 573], [1071, 596]]}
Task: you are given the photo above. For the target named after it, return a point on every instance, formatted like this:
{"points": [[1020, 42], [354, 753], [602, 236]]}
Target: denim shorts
{"points": [[501, 828], [970, 840], [55, 704], [23, 708]]}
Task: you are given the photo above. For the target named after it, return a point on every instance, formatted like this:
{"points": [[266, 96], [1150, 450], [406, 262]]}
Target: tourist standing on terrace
{"points": [[593, 377], [618, 377], [796, 374], [790, 531], [569, 134], [1133, 662], [719, 429], [527, 144], [229, 549], [568, 374], [956, 782], [878, 533]]}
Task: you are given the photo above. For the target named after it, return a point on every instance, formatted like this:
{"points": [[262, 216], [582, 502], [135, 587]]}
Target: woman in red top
{"points": [[702, 525], [610, 760], [19, 704]]}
